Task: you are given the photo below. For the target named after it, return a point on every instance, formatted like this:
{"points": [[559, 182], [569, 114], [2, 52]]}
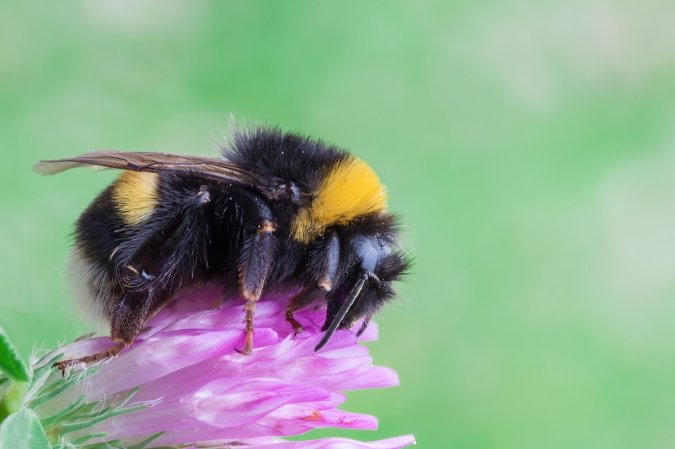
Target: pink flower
{"points": [[183, 382]]}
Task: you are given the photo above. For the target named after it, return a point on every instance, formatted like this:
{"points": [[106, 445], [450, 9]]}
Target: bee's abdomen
{"points": [[91, 268], [99, 229], [135, 196]]}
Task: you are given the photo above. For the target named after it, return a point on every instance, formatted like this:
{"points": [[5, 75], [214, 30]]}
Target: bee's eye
{"points": [[369, 256]]}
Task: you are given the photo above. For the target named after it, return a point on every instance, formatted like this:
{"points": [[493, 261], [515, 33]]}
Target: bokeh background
{"points": [[529, 146]]}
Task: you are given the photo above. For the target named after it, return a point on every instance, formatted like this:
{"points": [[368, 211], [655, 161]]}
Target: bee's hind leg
{"points": [[129, 316], [127, 321], [111, 352]]}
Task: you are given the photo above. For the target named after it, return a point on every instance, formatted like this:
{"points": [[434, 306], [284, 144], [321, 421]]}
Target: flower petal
{"points": [[198, 388]]}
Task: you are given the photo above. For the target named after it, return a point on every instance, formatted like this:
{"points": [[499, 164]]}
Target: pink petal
{"points": [[201, 389], [324, 443]]}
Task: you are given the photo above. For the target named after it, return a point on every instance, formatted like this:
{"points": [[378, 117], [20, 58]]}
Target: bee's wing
{"points": [[215, 169]]}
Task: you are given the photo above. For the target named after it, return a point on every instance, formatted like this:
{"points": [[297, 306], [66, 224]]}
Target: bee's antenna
{"points": [[353, 294]]}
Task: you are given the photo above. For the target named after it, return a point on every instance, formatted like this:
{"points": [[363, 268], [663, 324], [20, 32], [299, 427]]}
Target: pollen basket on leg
{"points": [[135, 195], [349, 190]]}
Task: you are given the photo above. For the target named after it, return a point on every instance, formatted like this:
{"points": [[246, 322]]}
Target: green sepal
{"points": [[10, 362], [99, 417], [61, 385], [69, 410], [23, 430], [145, 443]]}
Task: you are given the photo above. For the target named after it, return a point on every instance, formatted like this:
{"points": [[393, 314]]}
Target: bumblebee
{"points": [[277, 212]]}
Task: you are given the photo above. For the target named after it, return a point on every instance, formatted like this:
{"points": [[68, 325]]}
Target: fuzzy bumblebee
{"points": [[278, 212]]}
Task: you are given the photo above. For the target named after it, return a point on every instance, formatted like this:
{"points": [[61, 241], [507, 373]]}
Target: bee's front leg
{"points": [[325, 261], [301, 300]]}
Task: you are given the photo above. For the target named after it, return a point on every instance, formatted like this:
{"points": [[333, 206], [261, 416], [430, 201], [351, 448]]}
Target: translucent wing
{"points": [[216, 169]]}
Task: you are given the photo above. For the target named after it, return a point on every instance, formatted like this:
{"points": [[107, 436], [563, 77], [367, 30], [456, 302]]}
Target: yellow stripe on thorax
{"points": [[135, 195], [349, 190]]}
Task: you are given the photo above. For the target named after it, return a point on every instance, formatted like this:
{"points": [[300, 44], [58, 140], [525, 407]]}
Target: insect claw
{"points": [[296, 325]]}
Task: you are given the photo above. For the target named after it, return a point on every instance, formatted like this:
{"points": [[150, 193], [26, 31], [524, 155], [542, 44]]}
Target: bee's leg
{"points": [[148, 279], [144, 276], [297, 327], [129, 316], [113, 351], [329, 262], [256, 259], [126, 323], [327, 259], [255, 264], [300, 301]]}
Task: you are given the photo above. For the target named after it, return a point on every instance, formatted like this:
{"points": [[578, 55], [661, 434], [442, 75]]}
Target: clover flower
{"points": [[183, 383]]}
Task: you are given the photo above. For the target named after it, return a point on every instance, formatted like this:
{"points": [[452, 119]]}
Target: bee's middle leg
{"points": [[256, 258], [255, 264]]}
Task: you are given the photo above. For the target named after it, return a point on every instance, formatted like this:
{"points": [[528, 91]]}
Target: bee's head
{"points": [[368, 286]]}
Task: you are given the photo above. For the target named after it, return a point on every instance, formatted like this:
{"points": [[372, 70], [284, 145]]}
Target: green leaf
{"points": [[10, 362], [23, 430], [12, 399]]}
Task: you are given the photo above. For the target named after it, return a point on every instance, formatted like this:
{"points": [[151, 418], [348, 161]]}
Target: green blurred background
{"points": [[529, 146]]}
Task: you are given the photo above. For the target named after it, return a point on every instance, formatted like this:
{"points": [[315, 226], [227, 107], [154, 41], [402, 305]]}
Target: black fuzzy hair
{"points": [[275, 153]]}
